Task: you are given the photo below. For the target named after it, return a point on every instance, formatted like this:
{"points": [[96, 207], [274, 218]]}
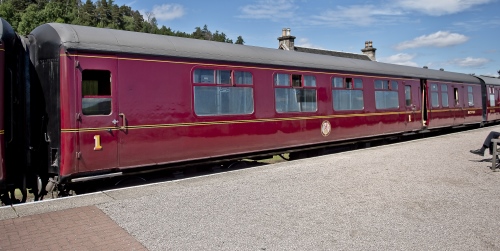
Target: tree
{"points": [[240, 40], [31, 18], [88, 15], [25, 15], [103, 14]]}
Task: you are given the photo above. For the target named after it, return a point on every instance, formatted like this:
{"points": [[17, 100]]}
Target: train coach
{"points": [[104, 103], [14, 141]]}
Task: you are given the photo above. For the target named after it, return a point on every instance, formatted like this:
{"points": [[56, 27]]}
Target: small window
{"points": [[281, 79], [309, 81], [243, 78], [338, 82], [358, 83], [381, 84], [456, 98], [223, 77], [348, 83], [394, 85], [297, 80], [96, 92], [204, 76]]}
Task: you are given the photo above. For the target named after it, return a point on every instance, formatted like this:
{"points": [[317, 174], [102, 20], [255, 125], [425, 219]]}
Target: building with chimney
{"points": [[287, 43]]}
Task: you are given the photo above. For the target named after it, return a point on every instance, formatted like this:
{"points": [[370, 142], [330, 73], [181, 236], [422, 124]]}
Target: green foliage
{"points": [[25, 15]]}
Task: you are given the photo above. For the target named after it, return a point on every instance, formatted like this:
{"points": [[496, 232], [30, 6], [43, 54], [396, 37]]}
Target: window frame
{"points": [[292, 84], [387, 87], [97, 96], [231, 84], [347, 86]]}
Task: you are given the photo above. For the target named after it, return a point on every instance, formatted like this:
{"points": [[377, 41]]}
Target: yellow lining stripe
{"points": [[245, 121]]}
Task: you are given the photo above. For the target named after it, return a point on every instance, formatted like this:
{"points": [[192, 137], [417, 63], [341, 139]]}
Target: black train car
{"points": [[16, 144]]}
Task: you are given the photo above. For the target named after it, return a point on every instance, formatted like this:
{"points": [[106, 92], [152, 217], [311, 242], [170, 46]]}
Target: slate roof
{"points": [[74, 37]]}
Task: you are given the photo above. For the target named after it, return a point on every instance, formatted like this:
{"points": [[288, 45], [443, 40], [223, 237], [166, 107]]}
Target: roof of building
{"points": [[332, 53]]}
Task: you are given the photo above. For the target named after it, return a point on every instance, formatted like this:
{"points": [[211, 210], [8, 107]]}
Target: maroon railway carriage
{"points": [[491, 97], [117, 101]]}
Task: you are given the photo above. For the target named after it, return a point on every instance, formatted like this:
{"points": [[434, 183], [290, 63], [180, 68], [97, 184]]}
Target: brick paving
{"points": [[82, 228]]}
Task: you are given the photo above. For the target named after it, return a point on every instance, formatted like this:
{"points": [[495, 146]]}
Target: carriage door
{"points": [[459, 106], [412, 117], [97, 115], [424, 98]]}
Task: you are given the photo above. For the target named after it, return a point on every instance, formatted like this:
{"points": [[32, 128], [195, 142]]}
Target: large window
{"points": [[96, 92], [347, 94], [222, 92], [295, 93], [386, 94]]}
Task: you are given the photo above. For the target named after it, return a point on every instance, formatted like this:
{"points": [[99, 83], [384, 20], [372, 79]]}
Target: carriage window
{"points": [[243, 78], [408, 95], [282, 79], [470, 95], [386, 98], [349, 96], [232, 95], [444, 96], [295, 96], [434, 95], [455, 91], [96, 92], [204, 76], [296, 80]]}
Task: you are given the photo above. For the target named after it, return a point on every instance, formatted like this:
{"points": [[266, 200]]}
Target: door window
{"points": [[96, 92]]}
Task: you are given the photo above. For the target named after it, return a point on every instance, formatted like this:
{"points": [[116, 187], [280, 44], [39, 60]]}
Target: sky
{"points": [[455, 35]]}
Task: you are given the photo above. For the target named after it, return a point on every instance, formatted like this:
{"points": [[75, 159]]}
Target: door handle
{"points": [[124, 124]]}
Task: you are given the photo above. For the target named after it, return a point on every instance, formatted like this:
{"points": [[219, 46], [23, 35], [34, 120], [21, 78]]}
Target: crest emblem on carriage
{"points": [[326, 128]]}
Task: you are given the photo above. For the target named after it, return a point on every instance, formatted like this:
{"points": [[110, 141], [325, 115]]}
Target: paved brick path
{"points": [[83, 228]]}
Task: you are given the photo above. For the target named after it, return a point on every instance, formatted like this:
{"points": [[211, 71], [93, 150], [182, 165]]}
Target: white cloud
{"points": [[470, 62], [400, 59], [439, 7], [269, 9], [168, 11], [359, 15], [438, 39]]}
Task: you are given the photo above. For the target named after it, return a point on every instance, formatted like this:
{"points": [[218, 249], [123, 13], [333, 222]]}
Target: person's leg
{"points": [[491, 135], [487, 144]]}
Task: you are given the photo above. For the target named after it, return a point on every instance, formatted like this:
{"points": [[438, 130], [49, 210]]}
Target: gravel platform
{"points": [[429, 194]]}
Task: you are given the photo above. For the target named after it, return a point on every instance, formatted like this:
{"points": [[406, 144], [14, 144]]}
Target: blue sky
{"points": [[456, 35]]}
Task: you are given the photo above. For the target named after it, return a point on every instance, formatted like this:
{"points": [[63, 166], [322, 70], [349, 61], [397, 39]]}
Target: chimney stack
{"points": [[369, 50], [286, 41]]}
